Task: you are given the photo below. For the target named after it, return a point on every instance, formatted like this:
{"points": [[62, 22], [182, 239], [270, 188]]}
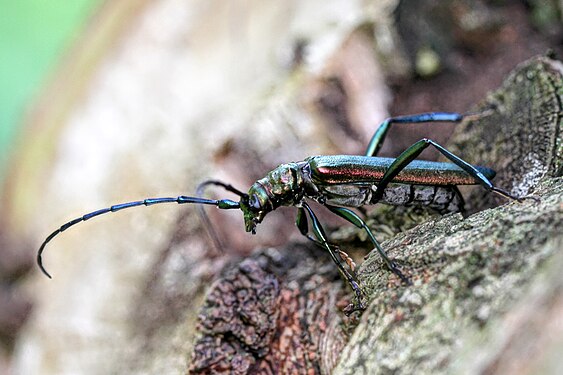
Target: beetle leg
{"points": [[379, 136], [353, 218], [301, 223], [321, 239], [413, 151]]}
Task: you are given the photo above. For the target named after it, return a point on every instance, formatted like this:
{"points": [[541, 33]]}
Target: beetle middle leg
{"points": [[353, 218], [321, 239]]}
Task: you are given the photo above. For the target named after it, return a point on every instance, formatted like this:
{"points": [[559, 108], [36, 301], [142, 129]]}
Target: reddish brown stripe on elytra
{"points": [[343, 174], [350, 169]]}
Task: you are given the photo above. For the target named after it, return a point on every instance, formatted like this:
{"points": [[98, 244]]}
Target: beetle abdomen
{"points": [[441, 198]]}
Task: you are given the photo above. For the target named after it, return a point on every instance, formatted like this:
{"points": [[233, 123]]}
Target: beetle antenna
{"points": [[217, 242], [475, 115], [201, 187], [224, 204]]}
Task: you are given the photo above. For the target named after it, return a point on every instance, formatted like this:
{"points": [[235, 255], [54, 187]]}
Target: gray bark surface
{"points": [[487, 289]]}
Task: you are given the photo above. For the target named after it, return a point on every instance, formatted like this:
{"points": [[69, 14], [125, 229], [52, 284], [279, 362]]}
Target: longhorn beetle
{"points": [[340, 181]]}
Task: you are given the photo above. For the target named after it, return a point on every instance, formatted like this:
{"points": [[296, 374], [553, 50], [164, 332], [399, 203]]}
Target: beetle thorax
{"points": [[285, 185]]}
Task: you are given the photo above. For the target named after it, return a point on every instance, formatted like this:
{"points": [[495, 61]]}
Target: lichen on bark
{"points": [[469, 274]]}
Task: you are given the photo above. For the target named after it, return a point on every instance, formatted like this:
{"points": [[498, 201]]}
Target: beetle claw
{"points": [[535, 198], [358, 305]]}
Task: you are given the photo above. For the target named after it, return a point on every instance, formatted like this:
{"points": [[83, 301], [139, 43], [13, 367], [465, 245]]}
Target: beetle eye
{"points": [[254, 202]]}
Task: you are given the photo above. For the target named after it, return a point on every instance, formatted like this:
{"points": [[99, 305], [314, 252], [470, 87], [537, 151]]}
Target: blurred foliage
{"points": [[34, 35]]}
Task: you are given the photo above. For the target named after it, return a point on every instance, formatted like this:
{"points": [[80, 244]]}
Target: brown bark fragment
{"points": [[275, 312]]}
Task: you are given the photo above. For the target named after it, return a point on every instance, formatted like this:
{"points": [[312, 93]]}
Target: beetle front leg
{"points": [[301, 222], [204, 218], [321, 239]]}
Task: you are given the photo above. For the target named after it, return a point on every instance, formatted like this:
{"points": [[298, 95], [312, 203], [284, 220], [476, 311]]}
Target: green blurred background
{"points": [[34, 35]]}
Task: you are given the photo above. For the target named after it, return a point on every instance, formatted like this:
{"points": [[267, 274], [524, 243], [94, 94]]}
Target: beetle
{"points": [[341, 182]]}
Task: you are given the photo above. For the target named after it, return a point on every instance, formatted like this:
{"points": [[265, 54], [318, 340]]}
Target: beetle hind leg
{"points": [[379, 136], [412, 153]]}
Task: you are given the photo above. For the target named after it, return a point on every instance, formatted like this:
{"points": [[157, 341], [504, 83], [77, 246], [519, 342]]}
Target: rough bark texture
{"points": [[472, 277], [486, 294], [229, 90], [273, 313]]}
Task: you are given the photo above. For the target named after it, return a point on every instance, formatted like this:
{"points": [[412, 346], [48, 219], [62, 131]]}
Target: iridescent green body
{"points": [[352, 180], [342, 169]]}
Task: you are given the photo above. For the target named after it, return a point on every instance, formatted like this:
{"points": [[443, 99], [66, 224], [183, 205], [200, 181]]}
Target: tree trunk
{"points": [[206, 94], [474, 279]]}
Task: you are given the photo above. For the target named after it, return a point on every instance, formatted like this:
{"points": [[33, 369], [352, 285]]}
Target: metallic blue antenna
{"points": [[224, 204]]}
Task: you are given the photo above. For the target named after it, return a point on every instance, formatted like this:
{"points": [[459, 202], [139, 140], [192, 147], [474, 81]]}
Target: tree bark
{"points": [[473, 278], [201, 96], [487, 291]]}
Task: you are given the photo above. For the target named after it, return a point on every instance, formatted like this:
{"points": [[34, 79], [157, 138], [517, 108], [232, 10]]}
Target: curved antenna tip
{"points": [[40, 264]]}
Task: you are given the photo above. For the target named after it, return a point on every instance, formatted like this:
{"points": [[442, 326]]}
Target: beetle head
{"points": [[255, 206]]}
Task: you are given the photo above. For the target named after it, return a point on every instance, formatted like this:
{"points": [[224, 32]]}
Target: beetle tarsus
{"points": [[347, 259], [359, 304], [535, 198], [476, 115], [508, 195], [395, 269]]}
